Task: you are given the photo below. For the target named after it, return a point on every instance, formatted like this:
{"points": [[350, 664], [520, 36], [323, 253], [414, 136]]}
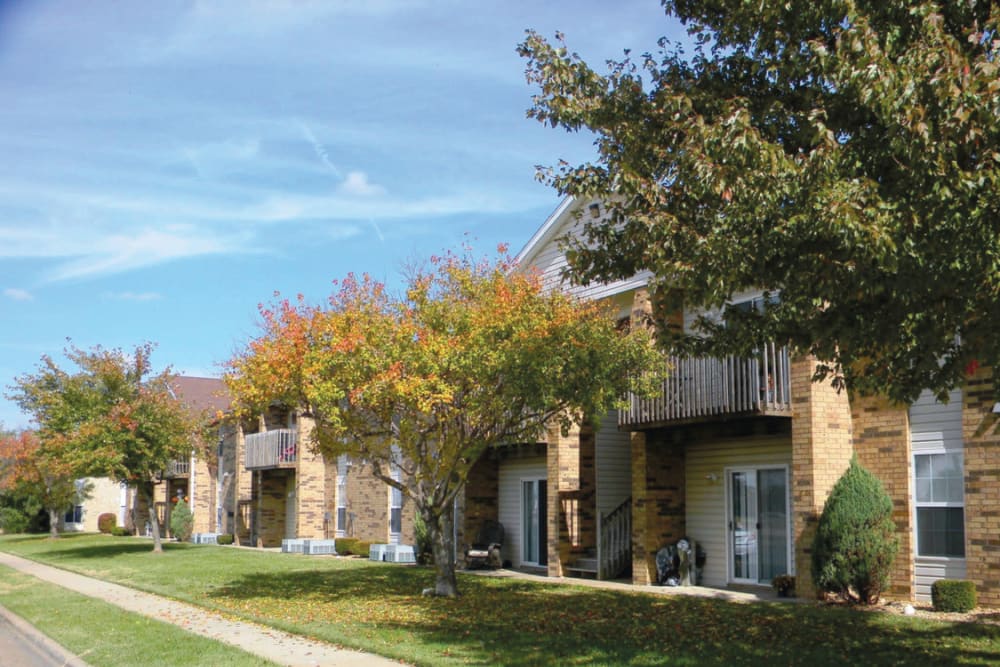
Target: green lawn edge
{"points": [[104, 635], [501, 621]]}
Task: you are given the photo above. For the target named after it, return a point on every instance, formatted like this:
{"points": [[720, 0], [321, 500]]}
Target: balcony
{"points": [[698, 388], [177, 469], [272, 449]]}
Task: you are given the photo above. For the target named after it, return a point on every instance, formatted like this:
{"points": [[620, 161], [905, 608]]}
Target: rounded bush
{"points": [[362, 548], [106, 522], [856, 539], [181, 521], [224, 539], [346, 545], [120, 531], [953, 595]]}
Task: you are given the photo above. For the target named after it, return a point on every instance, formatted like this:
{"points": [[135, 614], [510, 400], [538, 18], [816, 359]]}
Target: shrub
{"points": [[13, 520], [345, 545], [120, 531], [106, 521], [784, 584], [181, 521], [362, 548], [424, 548], [224, 539], [956, 595], [855, 541]]}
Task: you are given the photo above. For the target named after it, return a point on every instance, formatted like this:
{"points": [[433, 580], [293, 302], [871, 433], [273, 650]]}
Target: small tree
{"points": [[856, 539], [474, 355], [41, 471], [181, 521], [111, 417]]}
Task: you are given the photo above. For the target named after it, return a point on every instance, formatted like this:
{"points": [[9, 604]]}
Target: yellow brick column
{"points": [[203, 498], [981, 435], [563, 474], [882, 441], [310, 488], [821, 451]]}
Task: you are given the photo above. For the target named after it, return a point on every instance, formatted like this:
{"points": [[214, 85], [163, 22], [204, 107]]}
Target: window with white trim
{"points": [[342, 467], [74, 514], [396, 504], [940, 504]]}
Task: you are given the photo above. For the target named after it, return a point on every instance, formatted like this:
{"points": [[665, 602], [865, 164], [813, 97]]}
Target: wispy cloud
{"points": [[18, 294], [319, 149], [357, 184], [133, 296]]}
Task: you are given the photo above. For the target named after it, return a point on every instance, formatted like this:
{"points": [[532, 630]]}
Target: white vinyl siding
{"points": [[512, 472], [935, 428], [705, 486], [613, 465]]}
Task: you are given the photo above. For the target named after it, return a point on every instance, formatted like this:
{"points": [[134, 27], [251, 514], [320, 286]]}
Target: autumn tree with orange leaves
{"points": [[110, 417], [42, 473], [474, 354]]}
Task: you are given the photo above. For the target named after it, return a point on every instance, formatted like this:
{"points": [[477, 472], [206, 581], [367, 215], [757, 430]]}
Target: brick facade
{"points": [[882, 442], [981, 436], [658, 506], [821, 451]]}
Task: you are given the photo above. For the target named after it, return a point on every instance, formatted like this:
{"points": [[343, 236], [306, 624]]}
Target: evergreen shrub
{"points": [[955, 595], [856, 539], [181, 521]]}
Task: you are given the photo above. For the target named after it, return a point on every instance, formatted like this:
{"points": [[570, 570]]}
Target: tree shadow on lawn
{"points": [[525, 623]]}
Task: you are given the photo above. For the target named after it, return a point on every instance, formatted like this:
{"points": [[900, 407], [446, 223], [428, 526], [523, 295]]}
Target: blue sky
{"points": [[166, 166]]}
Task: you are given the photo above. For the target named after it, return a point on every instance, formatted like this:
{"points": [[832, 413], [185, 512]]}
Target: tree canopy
{"points": [[110, 417], [472, 355], [42, 474], [843, 154]]}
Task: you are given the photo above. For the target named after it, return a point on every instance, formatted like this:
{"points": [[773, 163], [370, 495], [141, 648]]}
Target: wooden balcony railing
{"points": [[272, 449], [704, 387], [177, 469]]}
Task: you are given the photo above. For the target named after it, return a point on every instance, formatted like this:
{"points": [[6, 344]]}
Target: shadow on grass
{"points": [[524, 623]]}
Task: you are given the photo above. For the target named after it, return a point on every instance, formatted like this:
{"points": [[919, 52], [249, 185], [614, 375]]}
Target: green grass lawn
{"points": [[378, 607], [104, 635]]}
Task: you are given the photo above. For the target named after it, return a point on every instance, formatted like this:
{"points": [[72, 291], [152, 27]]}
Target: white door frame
{"points": [[542, 516], [731, 534]]}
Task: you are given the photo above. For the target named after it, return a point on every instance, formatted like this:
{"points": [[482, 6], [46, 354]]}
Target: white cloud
{"points": [[18, 294], [357, 184]]}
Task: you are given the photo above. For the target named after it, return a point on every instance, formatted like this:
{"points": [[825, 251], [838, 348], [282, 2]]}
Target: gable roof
{"points": [[546, 233], [201, 394]]}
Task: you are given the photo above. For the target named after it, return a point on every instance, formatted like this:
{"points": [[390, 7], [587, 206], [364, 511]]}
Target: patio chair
{"points": [[485, 552]]}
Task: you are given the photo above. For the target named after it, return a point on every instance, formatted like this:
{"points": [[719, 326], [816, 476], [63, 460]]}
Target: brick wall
{"points": [[271, 505], [367, 505], [658, 503], [821, 451], [310, 490], [981, 436], [203, 500], [480, 500], [882, 442]]}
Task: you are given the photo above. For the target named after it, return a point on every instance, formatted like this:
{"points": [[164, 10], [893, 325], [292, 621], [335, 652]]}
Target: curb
{"points": [[40, 640]]}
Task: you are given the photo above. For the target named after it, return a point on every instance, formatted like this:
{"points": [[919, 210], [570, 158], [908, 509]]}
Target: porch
{"points": [[697, 388], [274, 449]]}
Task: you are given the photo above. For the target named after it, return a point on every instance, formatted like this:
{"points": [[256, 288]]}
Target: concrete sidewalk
{"points": [[280, 647]]}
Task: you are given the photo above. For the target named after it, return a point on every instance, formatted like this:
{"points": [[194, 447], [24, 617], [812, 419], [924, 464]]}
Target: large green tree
{"points": [[471, 356], [845, 154], [110, 415]]}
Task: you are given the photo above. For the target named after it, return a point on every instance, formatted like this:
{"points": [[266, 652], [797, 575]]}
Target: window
{"points": [[396, 504], [342, 467], [940, 504], [74, 514]]}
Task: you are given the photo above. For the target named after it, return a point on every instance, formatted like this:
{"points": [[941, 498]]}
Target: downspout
{"points": [[191, 484]]}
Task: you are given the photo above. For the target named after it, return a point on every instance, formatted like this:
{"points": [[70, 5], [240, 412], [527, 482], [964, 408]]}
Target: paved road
{"points": [[18, 649]]}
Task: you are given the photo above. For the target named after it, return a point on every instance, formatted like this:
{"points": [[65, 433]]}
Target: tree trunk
{"points": [[53, 523], [439, 529], [154, 520]]}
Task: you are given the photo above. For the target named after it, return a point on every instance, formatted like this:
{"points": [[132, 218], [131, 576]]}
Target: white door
{"points": [[757, 508], [534, 522]]}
